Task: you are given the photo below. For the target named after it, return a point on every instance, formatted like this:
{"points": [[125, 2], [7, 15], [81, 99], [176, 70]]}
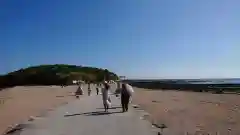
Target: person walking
{"points": [[118, 90], [126, 93], [106, 97], [89, 89], [97, 88], [79, 91]]}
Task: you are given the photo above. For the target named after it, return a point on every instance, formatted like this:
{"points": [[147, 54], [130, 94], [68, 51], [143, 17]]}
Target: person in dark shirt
{"points": [[125, 97]]}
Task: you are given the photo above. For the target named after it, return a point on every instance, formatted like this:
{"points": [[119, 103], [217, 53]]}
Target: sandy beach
{"points": [[19, 103], [192, 111], [180, 111]]}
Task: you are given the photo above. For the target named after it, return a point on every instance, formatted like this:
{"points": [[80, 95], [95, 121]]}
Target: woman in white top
{"points": [[106, 97]]}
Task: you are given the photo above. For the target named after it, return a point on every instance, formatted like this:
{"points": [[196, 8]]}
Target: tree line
{"points": [[57, 74]]}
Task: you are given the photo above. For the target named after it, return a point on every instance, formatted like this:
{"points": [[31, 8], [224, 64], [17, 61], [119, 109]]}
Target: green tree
{"points": [[55, 75]]}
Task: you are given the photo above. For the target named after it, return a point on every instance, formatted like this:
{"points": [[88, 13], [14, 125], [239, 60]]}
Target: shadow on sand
{"points": [[97, 113], [110, 108]]}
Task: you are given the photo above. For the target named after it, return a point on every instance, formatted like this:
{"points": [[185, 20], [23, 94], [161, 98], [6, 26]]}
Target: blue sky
{"points": [[135, 38]]}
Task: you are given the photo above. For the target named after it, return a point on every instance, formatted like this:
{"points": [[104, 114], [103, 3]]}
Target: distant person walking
{"points": [[89, 89], [98, 88], [118, 90], [79, 91], [106, 96], [126, 94]]}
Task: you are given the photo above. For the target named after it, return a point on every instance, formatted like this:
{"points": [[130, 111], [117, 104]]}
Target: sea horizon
{"points": [[196, 81]]}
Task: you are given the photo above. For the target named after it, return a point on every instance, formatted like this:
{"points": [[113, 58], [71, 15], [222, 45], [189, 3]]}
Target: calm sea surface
{"points": [[197, 81], [215, 81]]}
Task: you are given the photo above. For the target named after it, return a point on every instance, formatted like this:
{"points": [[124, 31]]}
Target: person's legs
{"points": [[109, 99], [127, 102], [105, 107], [122, 102]]}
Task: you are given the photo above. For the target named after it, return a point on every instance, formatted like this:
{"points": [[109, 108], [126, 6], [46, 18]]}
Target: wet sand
{"points": [[192, 112], [19, 103]]}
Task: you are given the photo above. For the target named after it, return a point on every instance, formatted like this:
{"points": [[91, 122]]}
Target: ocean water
{"points": [[214, 81], [196, 81]]}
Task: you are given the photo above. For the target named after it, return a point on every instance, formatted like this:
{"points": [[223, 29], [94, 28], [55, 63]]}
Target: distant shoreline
{"points": [[219, 85], [192, 81]]}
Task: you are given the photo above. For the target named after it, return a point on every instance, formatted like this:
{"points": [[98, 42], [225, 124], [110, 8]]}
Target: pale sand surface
{"points": [[181, 112], [22, 102], [189, 112]]}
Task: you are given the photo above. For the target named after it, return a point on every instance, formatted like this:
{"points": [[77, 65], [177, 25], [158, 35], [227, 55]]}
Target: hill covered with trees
{"points": [[55, 75]]}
